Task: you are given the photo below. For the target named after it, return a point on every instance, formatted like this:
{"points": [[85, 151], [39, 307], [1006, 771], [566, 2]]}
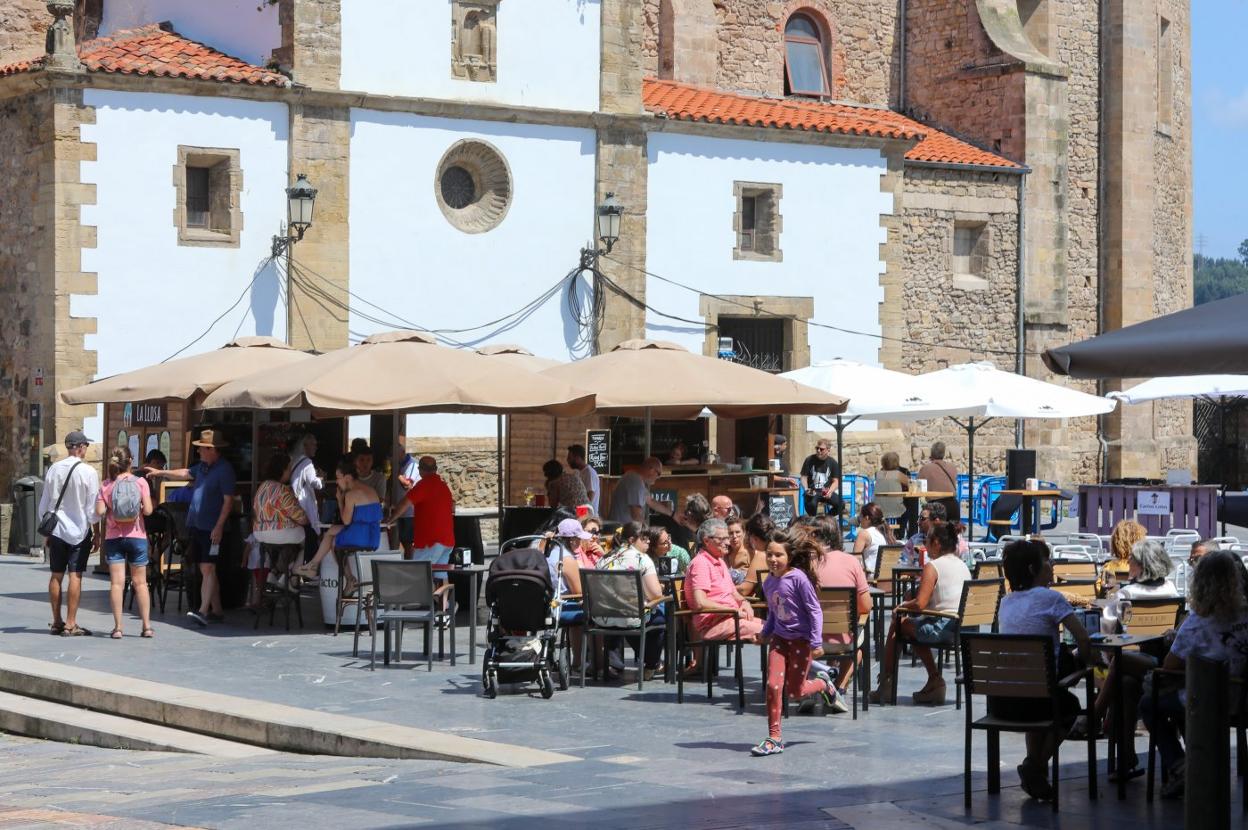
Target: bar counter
{"points": [[710, 482]]}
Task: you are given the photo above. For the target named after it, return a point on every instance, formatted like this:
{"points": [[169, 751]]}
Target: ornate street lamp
{"points": [[301, 198], [300, 202], [608, 216]]}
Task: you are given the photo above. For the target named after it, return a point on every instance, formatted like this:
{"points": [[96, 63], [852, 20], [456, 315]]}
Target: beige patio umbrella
{"points": [[405, 372], [655, 379], [188, 377], [525, 360]]}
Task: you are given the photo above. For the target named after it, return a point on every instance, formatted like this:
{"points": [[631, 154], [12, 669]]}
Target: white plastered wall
{"points": [[155, 296], [246, 29], [548, 52], [407, 258], [831, 208]]}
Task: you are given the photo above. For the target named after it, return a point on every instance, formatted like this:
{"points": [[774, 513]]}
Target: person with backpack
{"points": [[66, 507], [123, 502]]}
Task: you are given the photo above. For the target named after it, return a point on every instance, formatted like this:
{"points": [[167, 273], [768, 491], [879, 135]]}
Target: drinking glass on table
{"points": [[1124, 614]]}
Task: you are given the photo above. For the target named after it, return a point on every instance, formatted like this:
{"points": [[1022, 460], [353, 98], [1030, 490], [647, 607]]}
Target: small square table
{"points": [[1115, 644]]}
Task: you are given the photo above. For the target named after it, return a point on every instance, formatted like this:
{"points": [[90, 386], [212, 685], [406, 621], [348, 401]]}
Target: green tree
{"points": [[1218, 278]]}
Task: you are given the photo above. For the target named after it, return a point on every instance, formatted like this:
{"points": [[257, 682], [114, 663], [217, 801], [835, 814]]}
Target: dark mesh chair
{"points": [[403, 593], [615, 597], [177, 571]]}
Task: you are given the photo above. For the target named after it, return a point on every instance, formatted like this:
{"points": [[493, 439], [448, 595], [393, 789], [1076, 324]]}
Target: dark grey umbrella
{"points": [[1205, 340]]}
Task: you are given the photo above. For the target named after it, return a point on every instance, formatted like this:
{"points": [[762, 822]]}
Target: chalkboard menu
{"points": [[782, 507], [598, 450]]}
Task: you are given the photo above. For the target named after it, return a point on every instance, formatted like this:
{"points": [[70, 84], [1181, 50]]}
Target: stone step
{"points": [[70, 724], [269, 725]]}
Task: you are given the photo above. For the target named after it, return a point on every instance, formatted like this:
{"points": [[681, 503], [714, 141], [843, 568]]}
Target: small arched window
{"points": [[804, 67]]}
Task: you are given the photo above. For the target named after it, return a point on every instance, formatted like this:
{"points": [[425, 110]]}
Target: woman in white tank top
{"points": [[873, 531], [922, 620]]}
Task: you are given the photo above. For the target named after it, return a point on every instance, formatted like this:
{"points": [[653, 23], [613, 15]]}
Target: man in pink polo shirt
{"points": [[709, 587]]}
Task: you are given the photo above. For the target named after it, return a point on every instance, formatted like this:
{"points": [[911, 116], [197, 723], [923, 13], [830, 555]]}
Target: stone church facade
{"points": [[930, 182]]}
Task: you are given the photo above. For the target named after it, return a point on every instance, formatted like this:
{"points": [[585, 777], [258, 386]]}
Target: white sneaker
{"points": [[832, 696]]}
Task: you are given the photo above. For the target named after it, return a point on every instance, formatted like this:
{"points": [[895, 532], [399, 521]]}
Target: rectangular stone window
{"points": [[1165, 75], [208, 184], [757, 221], [474, 40], [970, 255]]}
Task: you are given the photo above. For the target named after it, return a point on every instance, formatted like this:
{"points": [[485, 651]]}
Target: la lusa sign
{"points": [[145, 414]]}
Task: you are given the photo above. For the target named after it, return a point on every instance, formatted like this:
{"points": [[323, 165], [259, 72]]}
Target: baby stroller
{"points": [[524, 623]]}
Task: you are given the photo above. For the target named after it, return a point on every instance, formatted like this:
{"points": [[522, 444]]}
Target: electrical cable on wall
{"points": [[505, 322], [223, 314], [764, 313]]}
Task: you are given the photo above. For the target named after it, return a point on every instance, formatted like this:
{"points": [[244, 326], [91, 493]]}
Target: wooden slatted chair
{"points": [[1016, 666], [1080, 591], [1236, 713], [976, 607], [981, 599], [887, 559], [840, 617], [1074, 569], [993, 569], [1155, 616], [687, 637]]}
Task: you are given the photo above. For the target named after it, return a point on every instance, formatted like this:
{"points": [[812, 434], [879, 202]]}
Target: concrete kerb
{"points": [[68, 724], [273, 726]]}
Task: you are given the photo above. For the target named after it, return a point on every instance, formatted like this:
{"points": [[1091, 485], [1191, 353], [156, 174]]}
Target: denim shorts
{"points": [[931, 630], [571, 613], [130, 550]]}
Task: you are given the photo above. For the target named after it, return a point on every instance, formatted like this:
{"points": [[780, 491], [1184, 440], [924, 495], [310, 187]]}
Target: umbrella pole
{"points": [[970, 477], [499, 454], [840, 452], [1222, 458], [970, 428], [649, 419], [397, 493]]}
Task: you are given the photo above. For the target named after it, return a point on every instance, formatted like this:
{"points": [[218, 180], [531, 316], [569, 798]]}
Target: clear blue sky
{"points": [[1219, 124]]}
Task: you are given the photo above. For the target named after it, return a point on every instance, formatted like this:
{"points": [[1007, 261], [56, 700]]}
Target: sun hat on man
{"points": [[210, 438], [571, 529]]}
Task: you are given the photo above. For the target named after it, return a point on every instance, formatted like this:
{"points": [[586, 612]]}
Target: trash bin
{"points": [[27, 491]]}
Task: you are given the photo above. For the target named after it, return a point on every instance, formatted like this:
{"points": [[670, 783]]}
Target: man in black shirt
{"points": [[821, 476]]}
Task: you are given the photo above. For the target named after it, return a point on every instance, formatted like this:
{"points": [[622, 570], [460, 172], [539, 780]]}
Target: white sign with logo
{"points": [[1152, 503]]}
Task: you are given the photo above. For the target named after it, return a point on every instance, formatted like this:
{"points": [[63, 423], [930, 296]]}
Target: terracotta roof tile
{"points": [[20, 67], [685, 102], [157, 51]]}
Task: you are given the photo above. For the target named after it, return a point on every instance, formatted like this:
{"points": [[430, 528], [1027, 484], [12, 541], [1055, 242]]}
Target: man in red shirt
{"points": [[433, 515]]}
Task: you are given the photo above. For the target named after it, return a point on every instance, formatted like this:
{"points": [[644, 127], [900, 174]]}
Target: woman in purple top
{"points": [[794, 628]]}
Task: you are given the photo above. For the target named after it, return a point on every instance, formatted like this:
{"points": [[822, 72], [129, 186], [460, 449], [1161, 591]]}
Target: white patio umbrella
{"points": [[1227, 391], [993, 393], [875, 392], [1210, 387]]}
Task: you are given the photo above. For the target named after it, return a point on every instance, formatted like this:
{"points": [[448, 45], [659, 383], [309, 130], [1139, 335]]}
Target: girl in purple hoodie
{"points": [[794, 628]]}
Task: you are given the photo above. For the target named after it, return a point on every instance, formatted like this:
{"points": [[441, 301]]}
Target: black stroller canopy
{"points": [[1209, 339]]}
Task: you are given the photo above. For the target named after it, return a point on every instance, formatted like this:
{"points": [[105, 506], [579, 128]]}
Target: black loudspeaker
{"points": [[1020, 465]]}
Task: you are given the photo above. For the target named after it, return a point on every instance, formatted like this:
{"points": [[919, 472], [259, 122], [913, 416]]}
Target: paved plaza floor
{"points": [[645, 761]]}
